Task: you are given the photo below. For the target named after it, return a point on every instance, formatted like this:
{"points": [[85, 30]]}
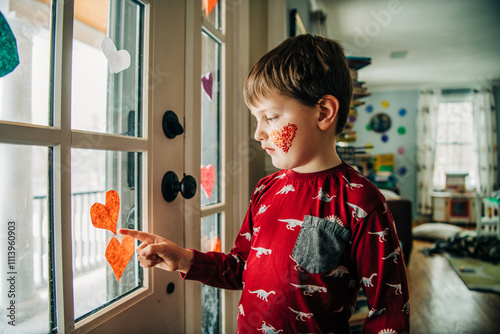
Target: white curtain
{"points": [[428, 105], [486, 139]]}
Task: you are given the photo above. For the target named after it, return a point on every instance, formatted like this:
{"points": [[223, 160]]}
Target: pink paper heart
{"points": [[207, 179], [208, 82]]}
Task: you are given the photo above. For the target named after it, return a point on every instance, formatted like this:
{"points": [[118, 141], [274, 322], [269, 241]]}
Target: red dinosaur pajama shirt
{"points": [[306, 246]]}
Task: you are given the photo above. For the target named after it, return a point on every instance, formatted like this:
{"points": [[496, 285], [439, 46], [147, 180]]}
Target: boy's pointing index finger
{"points": [[139, 235]]}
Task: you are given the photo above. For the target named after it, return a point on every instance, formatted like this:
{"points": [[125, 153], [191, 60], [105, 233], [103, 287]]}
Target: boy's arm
{"points": [[219, 269], [382, 273], [155, 251], [212, 268]]}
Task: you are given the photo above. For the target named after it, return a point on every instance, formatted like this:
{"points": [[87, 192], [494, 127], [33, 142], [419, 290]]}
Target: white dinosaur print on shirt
{"points": [[381, 234], [373, 312], [352, 186], [310, 289], [357, 212], [261, 251], [297, 266], [301, 316], [339, 310], [323, 196], [292, 223], [259, 189], [256, 230], [263, 208], [397, 287], [367, 281], [286, 189], [241, 311], [268, 329], [247, 235], [406, 307], [263, 294], [338, 272], [393, 255], [281, 176], [236, 258]]}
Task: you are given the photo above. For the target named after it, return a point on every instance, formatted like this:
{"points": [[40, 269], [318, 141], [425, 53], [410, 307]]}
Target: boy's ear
{"points": [[329, 107]]}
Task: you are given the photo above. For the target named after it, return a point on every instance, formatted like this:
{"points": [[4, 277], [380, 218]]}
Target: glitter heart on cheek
{"points": [[284, 137]]}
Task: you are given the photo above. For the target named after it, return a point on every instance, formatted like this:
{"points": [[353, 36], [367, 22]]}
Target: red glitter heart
{"points": [[283, 138]]}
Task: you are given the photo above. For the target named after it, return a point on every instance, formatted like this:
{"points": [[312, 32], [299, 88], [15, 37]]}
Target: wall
{"points": [[400, 139], [496, 95], [258, 46]]}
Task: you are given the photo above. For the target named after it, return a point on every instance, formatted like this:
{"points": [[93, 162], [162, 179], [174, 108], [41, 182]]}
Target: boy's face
{"points": [[289, 132]]}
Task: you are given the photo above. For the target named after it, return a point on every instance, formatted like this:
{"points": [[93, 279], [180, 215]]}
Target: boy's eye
{"points": [[270, 119]]}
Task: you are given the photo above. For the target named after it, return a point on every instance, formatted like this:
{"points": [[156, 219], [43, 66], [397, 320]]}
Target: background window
{"points": [[455, 143]]}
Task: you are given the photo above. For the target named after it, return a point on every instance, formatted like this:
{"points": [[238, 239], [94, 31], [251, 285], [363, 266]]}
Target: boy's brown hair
{"points": [[305, 68]]}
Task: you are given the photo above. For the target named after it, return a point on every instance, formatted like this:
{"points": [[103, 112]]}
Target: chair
{"points": [[488, 216]]}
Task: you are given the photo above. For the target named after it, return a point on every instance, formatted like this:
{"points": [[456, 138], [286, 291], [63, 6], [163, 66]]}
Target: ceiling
{"points": [[448, 43]]}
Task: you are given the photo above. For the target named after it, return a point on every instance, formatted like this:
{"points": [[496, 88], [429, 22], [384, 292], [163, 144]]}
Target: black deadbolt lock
{"points": [[171, 125], [170, 186]]}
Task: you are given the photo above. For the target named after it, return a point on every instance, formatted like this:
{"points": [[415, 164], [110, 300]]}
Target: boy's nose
{"points": [[260, 135]]}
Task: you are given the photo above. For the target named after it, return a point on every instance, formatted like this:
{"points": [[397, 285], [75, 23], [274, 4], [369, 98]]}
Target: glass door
{"points": [[213, 154], [84, 86], [83, 153]]}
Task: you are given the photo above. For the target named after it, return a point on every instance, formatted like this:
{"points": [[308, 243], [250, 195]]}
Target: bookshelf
{"points": [[359, 92]]}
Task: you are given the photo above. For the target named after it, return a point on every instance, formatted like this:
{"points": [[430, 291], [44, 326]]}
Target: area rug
{"points": [[476, 274]]}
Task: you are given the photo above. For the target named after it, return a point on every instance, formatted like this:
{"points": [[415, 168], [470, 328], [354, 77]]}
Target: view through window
{"points": [[455, 143]]}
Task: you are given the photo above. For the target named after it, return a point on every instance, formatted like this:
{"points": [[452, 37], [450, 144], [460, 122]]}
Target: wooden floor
{"points": [[441, 303]]}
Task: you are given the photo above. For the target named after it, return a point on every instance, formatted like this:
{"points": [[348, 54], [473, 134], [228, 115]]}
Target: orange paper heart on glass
{"points": [[119, 254], [208, 6], [207, 177], [106, 216]]}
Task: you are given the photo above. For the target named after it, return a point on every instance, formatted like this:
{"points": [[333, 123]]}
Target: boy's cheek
{"points": [[283, 138]]}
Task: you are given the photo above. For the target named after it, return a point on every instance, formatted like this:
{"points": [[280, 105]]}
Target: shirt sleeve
{"points": [[381, 270], [222, 270]]}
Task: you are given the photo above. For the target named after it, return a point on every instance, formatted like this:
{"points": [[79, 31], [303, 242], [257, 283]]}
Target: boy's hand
{"points": [[159, 252]]}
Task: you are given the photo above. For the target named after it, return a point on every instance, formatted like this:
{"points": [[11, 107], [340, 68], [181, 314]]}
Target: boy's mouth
{"points": [[268, 149]]}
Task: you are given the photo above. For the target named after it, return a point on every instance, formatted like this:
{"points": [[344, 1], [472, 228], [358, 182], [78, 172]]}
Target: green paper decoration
{"points": [[9, 57]]}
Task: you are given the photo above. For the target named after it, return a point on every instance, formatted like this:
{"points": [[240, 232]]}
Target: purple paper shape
{"points": [[207, 82]]}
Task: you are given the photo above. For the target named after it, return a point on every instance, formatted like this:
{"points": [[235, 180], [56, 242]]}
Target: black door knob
{"points": [[171, 125], [170, 186]]}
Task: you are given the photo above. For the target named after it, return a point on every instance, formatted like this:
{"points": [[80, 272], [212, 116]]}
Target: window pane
{"points": [[211, 10], [211, 315], [455, 144], [94, 173], [210, 122], [24, 239], [107, 63], [24, 92]]}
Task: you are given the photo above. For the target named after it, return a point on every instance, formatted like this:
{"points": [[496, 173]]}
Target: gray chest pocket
{"points": [[320, 244]]}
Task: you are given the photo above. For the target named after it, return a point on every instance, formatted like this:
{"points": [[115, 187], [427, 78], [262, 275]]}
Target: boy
{"points": [[316, 231]]}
